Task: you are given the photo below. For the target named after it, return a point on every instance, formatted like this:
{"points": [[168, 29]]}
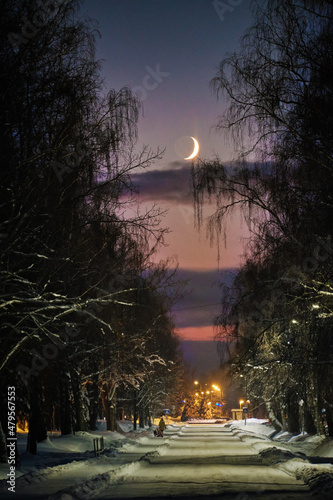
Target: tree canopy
{"points": [[280, 309], [81, 300]]}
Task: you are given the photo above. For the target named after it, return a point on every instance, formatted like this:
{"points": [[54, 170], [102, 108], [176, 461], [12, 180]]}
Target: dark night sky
{"points": [[168, 51]]}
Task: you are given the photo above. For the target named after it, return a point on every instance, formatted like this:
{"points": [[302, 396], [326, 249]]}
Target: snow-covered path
{"points": [[197, 460], [191, 461], [53, 479]]}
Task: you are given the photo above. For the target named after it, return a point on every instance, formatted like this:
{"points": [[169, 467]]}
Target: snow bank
{"points": [[58, 449], [319, 478], [257, 426], [290, 454], [310, 445], [61, 457], [71, 458], [324, 448]]}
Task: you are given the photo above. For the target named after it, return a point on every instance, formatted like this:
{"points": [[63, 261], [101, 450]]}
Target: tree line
{"points": [[85, 325], [279, 310]]}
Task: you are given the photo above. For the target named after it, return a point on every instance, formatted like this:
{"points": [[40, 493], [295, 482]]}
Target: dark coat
{"points": [[162, 425]]}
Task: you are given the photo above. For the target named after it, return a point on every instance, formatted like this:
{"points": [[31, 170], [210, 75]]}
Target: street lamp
{"points": [[245, 409], [218, 389], [196, 385], [245, 384], [241, 402]]}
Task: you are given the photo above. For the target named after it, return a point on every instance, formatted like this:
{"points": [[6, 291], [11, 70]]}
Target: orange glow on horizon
{"points": [[196, 333], [200, 333]]}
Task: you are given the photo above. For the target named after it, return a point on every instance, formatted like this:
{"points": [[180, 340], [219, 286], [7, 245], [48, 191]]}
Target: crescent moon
{"points": [[195, 150]]}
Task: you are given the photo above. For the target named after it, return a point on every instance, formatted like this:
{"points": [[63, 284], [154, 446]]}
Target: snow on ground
{"points": [[180, 460], [64, 461], [57, 449], [260, 431], [291, 452], [69, 460]]}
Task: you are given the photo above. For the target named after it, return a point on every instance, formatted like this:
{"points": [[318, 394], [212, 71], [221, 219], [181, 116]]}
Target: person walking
{"points": [[162, 426]]}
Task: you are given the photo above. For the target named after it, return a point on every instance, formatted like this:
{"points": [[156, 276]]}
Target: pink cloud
{"points": [[196, 333]]}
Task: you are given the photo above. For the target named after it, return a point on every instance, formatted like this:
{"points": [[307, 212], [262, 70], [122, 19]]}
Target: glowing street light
{"points": [[241, 402], [196, 386], [218, 389]]}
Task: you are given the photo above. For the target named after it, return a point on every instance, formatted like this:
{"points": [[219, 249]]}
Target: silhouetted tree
{"points": [[279, 87], [67, 240]]}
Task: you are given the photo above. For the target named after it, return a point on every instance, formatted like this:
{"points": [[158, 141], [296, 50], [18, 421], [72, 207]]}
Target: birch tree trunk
{"points": [[275, 422]]}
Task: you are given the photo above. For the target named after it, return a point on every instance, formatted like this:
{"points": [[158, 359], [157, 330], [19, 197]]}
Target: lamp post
{"points": [[197, 385], [220, 399], [218, 389], [245, 383], [245, 410]]}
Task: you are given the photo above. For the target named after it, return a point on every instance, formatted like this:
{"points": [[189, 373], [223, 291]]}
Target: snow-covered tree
{"points": [[280, 113], [71, 254]]}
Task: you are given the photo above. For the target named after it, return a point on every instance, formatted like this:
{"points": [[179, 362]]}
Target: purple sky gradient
{"points": [[168, 51], [169, 184]]}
